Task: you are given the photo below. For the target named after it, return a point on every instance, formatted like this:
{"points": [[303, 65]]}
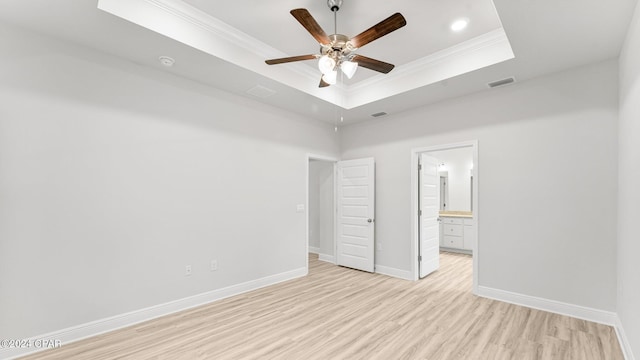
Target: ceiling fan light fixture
{"points": [[349, 68], [326, 64], [330, 77]]}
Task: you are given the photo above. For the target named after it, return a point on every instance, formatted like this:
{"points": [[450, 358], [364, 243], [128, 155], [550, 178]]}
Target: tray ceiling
{"points": [[248, 32], [222, 49]]}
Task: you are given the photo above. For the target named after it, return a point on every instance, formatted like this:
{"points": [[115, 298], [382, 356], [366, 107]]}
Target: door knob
{"points": [[369, 220]]}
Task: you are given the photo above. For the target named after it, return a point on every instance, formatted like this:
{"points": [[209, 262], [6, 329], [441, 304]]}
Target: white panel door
{"points": [[355, 218], [429, 212]]}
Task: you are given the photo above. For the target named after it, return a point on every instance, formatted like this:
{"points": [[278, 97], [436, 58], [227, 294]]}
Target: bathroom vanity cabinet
{"points": [[457, 233]]}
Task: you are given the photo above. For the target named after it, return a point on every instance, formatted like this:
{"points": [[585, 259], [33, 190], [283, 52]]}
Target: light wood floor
{"points": [[338, 313]]}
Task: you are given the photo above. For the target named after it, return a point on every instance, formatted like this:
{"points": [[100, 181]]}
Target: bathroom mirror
{"points": [[456, 173]]}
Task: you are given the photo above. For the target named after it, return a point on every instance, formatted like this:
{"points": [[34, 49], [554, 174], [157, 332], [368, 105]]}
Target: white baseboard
{"points": [[83, 331], [314, 250], [458, 251], [397, 273], [327, 258], [623, 340], [558, 307]]}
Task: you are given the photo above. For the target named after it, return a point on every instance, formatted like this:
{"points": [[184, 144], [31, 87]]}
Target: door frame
{"points": [[333, 160], [415, 156]]}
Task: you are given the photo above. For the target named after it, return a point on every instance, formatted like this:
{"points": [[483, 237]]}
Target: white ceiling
{"points": [[546, 36]]}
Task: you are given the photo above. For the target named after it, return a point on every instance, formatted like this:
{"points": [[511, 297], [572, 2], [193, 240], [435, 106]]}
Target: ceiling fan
{"points": [[337, 50]]}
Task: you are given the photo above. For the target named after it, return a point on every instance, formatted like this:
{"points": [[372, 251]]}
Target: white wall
{"points": [[547, 152], [113, 177], [457, 164], [628, 189]]}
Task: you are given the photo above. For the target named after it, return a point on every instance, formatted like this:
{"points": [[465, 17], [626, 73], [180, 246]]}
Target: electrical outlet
{"points": [[187, 270], [214, 265]]}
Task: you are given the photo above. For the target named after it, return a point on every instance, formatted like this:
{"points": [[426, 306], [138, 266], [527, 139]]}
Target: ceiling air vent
{"points": [[382, 113], [260, 91], [507, 81]]}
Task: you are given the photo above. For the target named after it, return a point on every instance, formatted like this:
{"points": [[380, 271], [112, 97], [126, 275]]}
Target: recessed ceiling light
{"points": [[459, 24], [166, 61]]}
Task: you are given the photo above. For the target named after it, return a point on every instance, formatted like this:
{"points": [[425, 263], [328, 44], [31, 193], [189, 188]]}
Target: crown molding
{"points": [[217, 27], [485, 50]]}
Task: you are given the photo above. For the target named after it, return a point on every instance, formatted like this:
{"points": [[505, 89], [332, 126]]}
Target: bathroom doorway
{"points": [[444, 206]]}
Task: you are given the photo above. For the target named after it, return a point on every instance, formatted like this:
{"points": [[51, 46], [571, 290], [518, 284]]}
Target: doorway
{"points": [[450, 224], [320, 234]]}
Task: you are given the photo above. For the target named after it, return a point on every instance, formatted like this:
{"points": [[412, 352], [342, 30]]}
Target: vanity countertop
{"points": [[457, 214]]}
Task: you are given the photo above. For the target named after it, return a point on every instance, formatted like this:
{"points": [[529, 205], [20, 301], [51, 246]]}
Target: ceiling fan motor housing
{"points": [[339, 48], [338, 43]]}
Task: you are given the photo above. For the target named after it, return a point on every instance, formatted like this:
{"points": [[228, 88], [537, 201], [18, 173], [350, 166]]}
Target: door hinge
{"points": [[419, 167], [420, 258], [419, 212]]}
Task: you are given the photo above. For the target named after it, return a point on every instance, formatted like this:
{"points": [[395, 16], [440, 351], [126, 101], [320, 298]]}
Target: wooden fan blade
{"points": [[290, 59], [323, 83], [384, 27], [304, 17], [373, 64]]}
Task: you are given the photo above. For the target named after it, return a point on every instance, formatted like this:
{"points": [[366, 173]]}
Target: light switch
{"points": [[300, 208]]}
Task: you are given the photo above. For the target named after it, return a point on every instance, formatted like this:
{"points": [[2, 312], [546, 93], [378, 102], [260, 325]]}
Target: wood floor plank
{"points": [[339, 313]]}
